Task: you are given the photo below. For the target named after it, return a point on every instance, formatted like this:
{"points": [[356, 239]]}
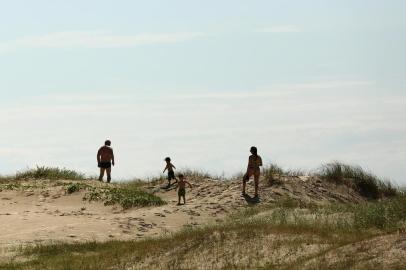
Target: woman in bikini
{"points": [[254, 164]]}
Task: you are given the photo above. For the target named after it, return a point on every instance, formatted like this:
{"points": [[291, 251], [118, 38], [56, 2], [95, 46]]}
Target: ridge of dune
{"points": [[48, 214]]}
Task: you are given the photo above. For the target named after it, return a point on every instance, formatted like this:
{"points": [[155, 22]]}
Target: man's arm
{"points": [[190, 185], [112, 157], [173, 166], [166, 167], [98, 156]]}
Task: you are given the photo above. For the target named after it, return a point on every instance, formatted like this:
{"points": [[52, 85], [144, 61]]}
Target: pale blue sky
{"points": [[306, 81]]}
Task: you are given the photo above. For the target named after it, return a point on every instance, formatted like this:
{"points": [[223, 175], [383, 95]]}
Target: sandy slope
{"points": [[49, 214]]}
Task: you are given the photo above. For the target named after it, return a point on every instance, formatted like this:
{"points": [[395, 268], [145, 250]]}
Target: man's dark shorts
{"points": [[104, 165], [171, 175]]}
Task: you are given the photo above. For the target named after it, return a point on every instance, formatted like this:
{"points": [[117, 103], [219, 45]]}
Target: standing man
{"points": [[105, 158]]}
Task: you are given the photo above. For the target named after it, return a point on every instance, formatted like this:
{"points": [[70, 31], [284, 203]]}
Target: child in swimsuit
{"points": [[171, 174], [182, 188]]}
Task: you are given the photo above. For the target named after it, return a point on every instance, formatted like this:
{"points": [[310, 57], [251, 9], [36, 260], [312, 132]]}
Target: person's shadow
{"points": [[251, 200], [169, 187]]}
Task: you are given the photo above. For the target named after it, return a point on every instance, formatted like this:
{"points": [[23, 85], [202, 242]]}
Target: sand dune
{"points": [[47, 213]]}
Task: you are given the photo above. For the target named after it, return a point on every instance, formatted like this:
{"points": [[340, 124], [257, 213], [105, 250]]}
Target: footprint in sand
{"points": [[192, 213], [29, 193]]}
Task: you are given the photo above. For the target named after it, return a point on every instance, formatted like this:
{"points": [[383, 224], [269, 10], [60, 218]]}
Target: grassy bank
{"points": [[366, 183], [283, 234], [128, 194]]}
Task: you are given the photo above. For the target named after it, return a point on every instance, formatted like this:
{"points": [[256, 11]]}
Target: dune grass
{"points": [[49, 173], [257, 237], [366, 183], [127, 197], [273, 173]]}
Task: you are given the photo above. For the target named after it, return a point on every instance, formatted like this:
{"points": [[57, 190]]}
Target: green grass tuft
{"points": [[273, 173], [384, 215], [127, 197], [367, 184], [75, 187], [49, 173]]}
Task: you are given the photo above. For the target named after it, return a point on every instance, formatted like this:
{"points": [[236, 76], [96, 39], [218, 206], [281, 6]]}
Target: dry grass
{"points": [[287, 234], [281, 235], [273, 173]]}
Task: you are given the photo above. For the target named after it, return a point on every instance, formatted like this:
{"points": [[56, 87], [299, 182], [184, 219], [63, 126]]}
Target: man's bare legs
{"points": [[108, 170], [101, 174]]}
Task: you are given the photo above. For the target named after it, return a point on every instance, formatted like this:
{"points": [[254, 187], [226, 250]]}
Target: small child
{"points": [[171, 174], [182, 188]]}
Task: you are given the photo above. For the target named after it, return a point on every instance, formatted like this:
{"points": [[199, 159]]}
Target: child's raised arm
{"points": [[190, 185]]}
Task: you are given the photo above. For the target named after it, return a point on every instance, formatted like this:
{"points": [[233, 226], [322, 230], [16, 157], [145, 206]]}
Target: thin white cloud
{"points": [[95, 39], [282, 90], [297, 128], [279, 29]]}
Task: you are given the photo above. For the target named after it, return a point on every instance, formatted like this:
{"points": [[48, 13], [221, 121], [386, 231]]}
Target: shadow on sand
{"points": [[172, 186], [251, 200]]}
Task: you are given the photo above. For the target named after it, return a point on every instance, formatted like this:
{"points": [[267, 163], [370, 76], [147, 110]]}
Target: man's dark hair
{"points": [[107, 142], [167, 159], [254, 150], [180, 175]]}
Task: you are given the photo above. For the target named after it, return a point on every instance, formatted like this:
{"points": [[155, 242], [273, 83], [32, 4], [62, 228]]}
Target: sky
{"points": [[307, 82]]}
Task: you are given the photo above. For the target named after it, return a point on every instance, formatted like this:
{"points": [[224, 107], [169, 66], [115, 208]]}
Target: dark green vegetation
{"points": [[127, 197], [256, 237], [367, 184], [128, 194], [48, 173]]}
